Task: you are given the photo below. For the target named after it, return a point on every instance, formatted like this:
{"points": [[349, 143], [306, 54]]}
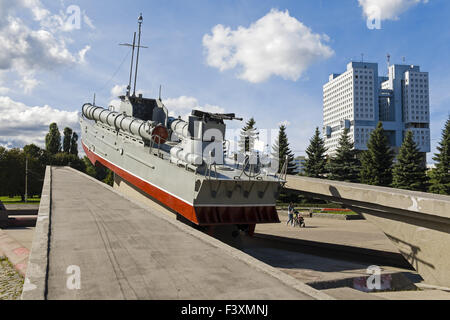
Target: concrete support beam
{"points": [[35, 285], [417, 223]]}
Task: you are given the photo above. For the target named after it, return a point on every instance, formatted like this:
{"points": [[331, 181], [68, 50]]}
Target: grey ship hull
{"points": [[204, 199]]}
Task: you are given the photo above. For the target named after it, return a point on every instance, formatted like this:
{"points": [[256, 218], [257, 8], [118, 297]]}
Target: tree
{"points": [[97, 172], [67, 159], [440, 176], [67, 141], [13, 177], [74, 144], [409, 172], [109, 180], [37, 162], [345, 166], [3, 170], [281, 150], [53, 140], [377, 161], [248, 136], [315, 165]]}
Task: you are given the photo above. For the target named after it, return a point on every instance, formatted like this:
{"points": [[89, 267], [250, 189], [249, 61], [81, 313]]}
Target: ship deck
{"points": [[123, 250]]}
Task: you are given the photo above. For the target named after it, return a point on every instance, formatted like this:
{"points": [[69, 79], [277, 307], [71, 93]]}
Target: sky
{"points": [[256, 58]]}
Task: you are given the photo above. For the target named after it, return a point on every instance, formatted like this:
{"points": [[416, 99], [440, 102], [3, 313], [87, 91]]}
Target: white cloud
{"points": [[183, 106], [24, 50], [4, 90], [118, 90], [387, 9], [285, 123], [88, 20], [21, 124], [82, 54], [277, 44], [28, 82]]}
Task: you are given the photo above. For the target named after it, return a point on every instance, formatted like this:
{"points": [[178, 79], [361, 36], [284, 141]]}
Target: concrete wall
{"points": [[417, 223]]}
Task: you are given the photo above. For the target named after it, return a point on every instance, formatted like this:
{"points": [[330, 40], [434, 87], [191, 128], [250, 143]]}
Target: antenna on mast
{"points": [[132, 61], [160, 86], [140, 20], [134, 46]]}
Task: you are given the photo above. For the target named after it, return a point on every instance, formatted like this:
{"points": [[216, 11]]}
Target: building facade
{"points": [[359, 98]]}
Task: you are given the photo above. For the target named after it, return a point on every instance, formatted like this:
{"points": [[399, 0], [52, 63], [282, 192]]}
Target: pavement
{"points": [[350, 233], [16, 252], [21, 206], [23, 236], [414, 295], [105, 246], [354, 240]]}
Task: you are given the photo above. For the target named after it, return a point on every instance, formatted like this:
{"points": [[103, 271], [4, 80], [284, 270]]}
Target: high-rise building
{"points": [[359, 98]]}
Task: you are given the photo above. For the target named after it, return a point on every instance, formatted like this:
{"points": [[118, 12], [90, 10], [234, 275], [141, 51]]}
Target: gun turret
{"points": [[215, 116]]}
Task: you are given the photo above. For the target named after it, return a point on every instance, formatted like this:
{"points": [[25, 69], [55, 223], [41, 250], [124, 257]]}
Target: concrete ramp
{"points": [[417, 223], [93, 243]]}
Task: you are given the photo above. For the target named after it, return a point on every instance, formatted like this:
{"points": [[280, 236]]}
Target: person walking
{"points": [[290, 214]]}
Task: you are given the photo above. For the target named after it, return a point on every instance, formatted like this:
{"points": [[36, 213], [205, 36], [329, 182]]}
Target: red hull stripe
{"points": [[202, 215], [170, 201]]}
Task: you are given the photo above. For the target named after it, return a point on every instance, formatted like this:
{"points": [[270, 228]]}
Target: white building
{"points": [[358, 99]]}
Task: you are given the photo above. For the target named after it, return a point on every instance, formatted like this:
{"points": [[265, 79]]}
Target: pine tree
{"points": [[53, 139], [440, 176], [74, 144], [345, 166], [409, 172], [67, 141], [281, 150], [377, 161], [248, 136], [315, 165]]}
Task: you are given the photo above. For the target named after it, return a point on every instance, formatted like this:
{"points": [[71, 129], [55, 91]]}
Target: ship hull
{"points": [[202, 210]]}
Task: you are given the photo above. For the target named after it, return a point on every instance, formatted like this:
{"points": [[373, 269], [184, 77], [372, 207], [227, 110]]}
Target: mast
{"points": [[131, 68], [140, 20], [134, 46]]}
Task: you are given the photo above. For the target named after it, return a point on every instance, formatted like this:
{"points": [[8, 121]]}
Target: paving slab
{"points": [[24, 236], [16, 253], [414, 295], [119, 249]]}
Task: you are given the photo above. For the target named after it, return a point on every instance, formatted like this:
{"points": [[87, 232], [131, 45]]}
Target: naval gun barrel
{"points": [[149, 130]]}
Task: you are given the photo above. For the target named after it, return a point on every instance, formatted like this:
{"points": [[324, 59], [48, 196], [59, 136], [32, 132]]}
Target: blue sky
{"points": [[83, 60]]}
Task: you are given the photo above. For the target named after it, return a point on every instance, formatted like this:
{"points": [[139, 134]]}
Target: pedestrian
{"points": [[290, 214]]}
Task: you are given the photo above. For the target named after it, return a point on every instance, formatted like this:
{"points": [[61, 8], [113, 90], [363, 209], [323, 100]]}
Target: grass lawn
{"points": [[18, 200]]}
